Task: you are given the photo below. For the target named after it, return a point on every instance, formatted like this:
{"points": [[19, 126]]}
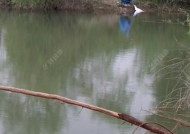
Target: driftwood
{"points": [[125, 117]]}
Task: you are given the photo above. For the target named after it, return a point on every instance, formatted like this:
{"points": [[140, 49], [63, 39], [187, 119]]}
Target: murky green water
{"points": [[119, 63]]}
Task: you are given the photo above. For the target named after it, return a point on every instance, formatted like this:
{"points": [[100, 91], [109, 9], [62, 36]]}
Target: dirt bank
{"points": [[87, 6]]}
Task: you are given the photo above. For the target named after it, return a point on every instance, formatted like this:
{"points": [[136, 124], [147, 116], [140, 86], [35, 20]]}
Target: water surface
{"points": [[105, 60]]}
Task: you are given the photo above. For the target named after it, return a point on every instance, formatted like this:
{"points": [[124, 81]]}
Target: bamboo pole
{"points": [[125, 117]]}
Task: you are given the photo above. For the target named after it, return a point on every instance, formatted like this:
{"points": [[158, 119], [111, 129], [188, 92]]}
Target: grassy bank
{"points": [[109, 6], [56, 4], [106, 6], [40, 4], [169, 5]]}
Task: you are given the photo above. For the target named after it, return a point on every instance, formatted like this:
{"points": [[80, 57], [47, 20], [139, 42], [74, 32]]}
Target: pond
{"points": [[122, 63]]}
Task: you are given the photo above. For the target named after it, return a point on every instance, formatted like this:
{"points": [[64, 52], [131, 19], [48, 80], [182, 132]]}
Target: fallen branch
{"points": [[121, 116]]}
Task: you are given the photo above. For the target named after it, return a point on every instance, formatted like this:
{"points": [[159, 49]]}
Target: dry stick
{"points": [[177, 120], [121, 116]]}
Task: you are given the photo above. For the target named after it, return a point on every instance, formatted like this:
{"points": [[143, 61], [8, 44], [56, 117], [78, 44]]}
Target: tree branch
{"points": [[121, 116]]}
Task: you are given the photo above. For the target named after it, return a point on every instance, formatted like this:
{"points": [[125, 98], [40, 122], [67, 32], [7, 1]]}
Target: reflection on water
{"points": [[97, 65], [5, 72], [125, 24], [126, 68]]}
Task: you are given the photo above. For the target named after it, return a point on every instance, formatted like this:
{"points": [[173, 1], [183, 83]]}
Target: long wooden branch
{"points": [[121, 116]]}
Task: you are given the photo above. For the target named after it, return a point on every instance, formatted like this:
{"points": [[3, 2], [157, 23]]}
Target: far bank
{"points": [[94, 6]]}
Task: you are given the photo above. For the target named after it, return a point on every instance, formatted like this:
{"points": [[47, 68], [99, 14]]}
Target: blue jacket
{"points": [[125, 1]]}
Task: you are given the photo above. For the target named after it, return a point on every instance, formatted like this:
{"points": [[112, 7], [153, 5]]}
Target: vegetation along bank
{"points": [[108, 6]]}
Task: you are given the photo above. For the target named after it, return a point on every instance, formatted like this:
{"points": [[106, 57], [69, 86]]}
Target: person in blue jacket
{"points": [[125, 2]]}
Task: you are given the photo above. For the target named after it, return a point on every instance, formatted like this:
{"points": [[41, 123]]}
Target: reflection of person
{"points": [[125, 24]]}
